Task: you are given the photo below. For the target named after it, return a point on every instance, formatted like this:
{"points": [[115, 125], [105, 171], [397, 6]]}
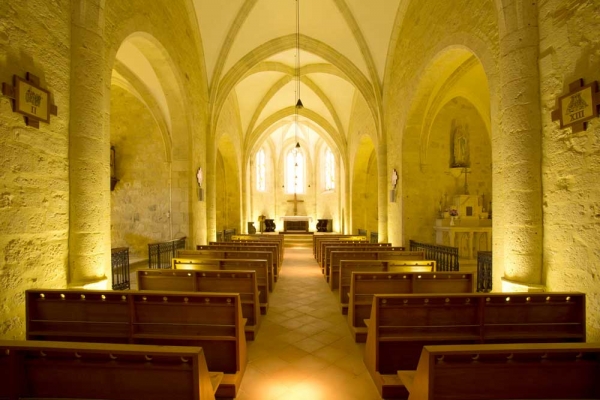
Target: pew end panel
{"points": [[507, 371], [32, 369]]}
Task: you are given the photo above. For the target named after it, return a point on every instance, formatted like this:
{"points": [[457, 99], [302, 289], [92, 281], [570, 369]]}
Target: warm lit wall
{"points": [[569, 50], [466, 24], [34, 173], [140, 203], [424, 188]]}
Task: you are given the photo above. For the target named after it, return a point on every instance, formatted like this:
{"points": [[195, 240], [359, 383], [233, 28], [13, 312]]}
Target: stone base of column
{"points": [[513, 286], [102, 284]]}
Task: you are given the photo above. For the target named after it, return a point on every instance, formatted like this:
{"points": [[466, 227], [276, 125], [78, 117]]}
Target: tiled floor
{"points": [[304, 349]]}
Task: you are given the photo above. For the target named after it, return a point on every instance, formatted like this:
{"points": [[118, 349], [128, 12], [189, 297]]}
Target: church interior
{"points": [[470, 124]]}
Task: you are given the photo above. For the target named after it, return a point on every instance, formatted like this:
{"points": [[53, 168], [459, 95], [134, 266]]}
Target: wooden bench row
{"points": [[329, 237], [365, 285], [212, 321], [61, 370], [248, 246], [258, 266], [400, 325], [506, 371], [242, 282]]}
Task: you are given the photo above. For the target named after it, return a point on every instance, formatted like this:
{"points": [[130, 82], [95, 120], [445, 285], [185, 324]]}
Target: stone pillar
{"points": [[211, 187], [89, 221], [517, 197], [383, 194]]}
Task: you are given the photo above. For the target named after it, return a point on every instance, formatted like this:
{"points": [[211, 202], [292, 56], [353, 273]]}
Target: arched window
{"points": [[294, 172], [329, 170], [261, 184]]}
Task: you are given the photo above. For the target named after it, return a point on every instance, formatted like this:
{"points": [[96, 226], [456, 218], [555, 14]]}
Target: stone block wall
{"points": [[34, 175]]}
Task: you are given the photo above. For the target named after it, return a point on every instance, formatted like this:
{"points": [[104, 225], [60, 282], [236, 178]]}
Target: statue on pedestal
{"points": [[459, 145]]}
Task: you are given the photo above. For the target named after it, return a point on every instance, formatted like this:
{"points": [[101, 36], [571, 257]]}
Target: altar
{"points": [[296, 223]]}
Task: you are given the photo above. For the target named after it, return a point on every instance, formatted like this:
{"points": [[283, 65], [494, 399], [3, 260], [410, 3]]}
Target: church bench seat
{"points": [[365, 284], [212, 321], [261, 238], [260, 268], [347, 267], [234, 254], [60, 370], [335, 237], [354, 247], [401, 324], [346, 241], [506, 371], [378, 254], [242, 282], [249, 246]]}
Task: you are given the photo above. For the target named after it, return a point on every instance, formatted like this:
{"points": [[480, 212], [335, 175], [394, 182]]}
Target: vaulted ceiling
{"points": [[249, 50]]}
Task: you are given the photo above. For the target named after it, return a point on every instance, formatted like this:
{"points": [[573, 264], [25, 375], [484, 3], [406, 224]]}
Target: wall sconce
{"points": [[113, 169], [394, 182], [200, 179]]}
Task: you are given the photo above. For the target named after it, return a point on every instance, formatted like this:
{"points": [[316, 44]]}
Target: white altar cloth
{"points": [[296, 218]]}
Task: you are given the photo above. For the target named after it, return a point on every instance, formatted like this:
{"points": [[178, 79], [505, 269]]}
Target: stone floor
{"points": [[304, 349]]}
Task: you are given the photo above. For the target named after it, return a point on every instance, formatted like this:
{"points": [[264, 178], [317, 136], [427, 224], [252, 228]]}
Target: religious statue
{"points": [[460, 145]]}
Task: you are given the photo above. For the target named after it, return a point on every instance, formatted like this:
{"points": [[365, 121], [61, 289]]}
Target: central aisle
{"points": [[304, 349]]}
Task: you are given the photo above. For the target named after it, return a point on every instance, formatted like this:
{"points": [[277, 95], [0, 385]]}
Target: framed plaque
{"points": [[31, 100]]}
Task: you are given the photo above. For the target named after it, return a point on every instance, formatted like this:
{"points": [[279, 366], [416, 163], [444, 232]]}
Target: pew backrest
{"points": [[365, 284], [507, 371], [242, 282], [329, 237], [33, 369], [347, 267]]}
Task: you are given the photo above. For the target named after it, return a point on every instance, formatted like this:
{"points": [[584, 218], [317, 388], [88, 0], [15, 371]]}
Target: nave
{"points": [[304, 349]]}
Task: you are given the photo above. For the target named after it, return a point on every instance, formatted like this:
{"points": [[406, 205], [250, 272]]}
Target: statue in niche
{"points": [[459, 145]]}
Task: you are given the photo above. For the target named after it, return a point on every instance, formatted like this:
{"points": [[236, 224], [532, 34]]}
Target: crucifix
{"points": [[295, 201], [466, 172]]}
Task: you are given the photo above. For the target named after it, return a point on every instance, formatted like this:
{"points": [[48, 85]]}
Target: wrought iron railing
{"points": [[446, 257], [161, 254], [219, 237], [374, 237], [119, 259], [227, 234], [484, 271], [362, 232]]}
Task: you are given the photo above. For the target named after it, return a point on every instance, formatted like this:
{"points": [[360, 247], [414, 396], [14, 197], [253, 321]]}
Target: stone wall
{"points": [[570, 50], [140, 203], [34, 176]]}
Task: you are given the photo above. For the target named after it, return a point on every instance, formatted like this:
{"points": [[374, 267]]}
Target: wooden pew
{"points": [[327, 236], [249, 246], [347, 267], [342, 238], [353, 240], [212, 321], [363, 285], [261, 238], [328, 247], [506, 371], [401, 324], [60, 370], [353, 247], [381, 255], [234, 254], [258, 266], [242, 282]]}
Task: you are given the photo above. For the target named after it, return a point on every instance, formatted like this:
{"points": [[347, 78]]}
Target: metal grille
{"points": [[446, 257], [362, 232], [484, 271], [119, 258], [161, 254]]}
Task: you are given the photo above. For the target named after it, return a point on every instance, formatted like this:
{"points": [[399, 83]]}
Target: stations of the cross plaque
{"points": [[295, 201], [578, 106]]}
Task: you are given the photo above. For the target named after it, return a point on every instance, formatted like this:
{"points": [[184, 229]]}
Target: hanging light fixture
{"points": [[298, 104]]}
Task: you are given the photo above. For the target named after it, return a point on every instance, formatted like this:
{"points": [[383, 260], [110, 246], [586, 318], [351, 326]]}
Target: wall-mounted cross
{"points": [[295, 201]]}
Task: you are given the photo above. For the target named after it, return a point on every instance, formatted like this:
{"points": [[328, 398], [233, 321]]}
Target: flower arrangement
{"points": [[453, 212]]}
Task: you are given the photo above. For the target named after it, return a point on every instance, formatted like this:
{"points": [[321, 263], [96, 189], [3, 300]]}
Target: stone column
{"points": [[211, 187], [89, 169], [517, 197], [383, 194]]}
